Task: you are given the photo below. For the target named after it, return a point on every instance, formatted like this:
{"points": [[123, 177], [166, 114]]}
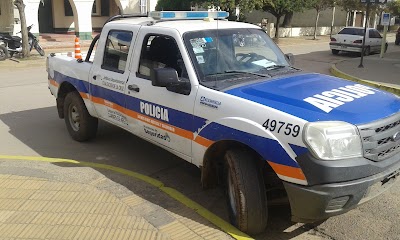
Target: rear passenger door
{"points": [[109, 75]]}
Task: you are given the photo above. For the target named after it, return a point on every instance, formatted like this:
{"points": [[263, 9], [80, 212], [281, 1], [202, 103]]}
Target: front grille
{"points": [[381, 139]]}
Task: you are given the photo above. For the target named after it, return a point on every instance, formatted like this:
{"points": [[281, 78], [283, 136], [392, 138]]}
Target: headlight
{"points": [[333, 140]]}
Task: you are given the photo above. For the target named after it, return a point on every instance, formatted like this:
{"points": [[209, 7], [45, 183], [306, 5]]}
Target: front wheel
{"points": [[39, 49], [81, 126], [3, 53], [245, 191]]}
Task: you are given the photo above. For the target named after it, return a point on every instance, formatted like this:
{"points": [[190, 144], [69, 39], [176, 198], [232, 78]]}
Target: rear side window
{"points": [[116, 51], [374, 34], [352, 31]]}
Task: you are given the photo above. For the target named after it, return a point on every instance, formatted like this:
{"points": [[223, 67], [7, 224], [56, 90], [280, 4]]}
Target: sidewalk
{"points": [[383, 73], [41, 200]]}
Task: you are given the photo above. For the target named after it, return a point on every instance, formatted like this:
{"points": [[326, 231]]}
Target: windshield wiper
{"points": [[251, 73]]}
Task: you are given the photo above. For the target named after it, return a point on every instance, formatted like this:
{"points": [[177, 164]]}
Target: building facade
{"points": [[80, 17]]}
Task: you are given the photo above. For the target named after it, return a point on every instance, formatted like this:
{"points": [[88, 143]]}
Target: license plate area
{"points": [[343, 47], [381, 186]]}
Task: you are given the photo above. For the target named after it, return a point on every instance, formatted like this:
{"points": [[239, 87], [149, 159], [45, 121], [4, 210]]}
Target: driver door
{"points": [[164, 116]]}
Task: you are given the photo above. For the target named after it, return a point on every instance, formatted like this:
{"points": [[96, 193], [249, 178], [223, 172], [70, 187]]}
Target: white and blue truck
{"points": [[222, 96]]}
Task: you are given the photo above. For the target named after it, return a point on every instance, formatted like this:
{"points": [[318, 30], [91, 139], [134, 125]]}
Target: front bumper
{"points": [[319, 202], [345, 47]]}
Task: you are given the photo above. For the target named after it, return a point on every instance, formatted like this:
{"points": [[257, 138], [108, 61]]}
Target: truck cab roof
{"points": [[184, 25]]}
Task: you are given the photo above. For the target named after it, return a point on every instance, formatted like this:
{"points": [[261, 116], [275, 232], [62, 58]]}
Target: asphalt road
{"points": [[29, 125]]}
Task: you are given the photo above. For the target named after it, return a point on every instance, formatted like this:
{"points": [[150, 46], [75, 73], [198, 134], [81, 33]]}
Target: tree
{"points": [[24, 30], [179, 5], [394, 7], [287, 21], [279, 8], [319, 6]]}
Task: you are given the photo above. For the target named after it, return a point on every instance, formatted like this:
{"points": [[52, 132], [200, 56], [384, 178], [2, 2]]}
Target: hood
{"points": [[317, 97]]}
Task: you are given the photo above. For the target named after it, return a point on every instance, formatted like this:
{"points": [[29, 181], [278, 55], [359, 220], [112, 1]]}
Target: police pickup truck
{"points": [[222, 96]]}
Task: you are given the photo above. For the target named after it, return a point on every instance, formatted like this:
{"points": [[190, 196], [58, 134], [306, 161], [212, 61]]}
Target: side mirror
{"points": [[290, 58], [168, 78]]}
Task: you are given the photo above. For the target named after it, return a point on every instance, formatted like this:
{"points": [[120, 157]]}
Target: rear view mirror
{"points": [[290, 58]]}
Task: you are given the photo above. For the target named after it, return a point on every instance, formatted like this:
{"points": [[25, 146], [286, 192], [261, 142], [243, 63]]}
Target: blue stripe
{"points": [[177, 118], [269, 149]]}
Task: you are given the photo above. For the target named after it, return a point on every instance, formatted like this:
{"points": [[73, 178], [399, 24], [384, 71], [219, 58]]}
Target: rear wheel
{"points": [[335, 52], [39, 49], [397, 42], [245, 191], [81, 126], [3, 53], [367, 51]]}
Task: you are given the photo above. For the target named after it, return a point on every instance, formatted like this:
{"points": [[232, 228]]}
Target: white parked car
{"points": [[350, 39]]}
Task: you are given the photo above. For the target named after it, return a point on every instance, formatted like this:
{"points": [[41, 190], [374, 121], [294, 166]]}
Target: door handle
{"points": [[134, 87]]}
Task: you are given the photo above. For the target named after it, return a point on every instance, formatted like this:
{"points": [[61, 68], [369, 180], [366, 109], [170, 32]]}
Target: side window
{"points": [[159, 51], [116, 51], [371, 34]]}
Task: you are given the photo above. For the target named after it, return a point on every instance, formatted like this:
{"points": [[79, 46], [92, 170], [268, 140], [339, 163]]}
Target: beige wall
{"points": [[304, 19], [7, 16], [62, 21]]}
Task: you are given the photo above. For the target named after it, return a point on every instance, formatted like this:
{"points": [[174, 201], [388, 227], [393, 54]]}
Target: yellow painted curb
{"points": [[219, 222], [336, 72]]}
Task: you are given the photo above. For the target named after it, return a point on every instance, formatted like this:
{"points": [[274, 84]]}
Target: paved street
{"points": [[29, 126]]}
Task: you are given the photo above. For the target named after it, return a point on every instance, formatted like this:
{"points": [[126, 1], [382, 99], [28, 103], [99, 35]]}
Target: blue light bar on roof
{"points": [[158, 15]]}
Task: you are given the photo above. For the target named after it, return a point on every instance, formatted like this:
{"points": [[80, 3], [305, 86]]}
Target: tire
{"points": [[39, 49], [245, 192], [3, 53], [81, 126], [367, 51], [335, 52]]}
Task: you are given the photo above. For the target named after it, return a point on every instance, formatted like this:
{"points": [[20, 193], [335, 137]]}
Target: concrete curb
{"points": [[336, 72]]}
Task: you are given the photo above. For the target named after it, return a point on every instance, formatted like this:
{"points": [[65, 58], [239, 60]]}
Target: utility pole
{"points": [[333, 17], [365, 33]]}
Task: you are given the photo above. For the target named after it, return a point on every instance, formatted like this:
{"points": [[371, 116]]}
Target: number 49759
{"points": [[279, 126]]}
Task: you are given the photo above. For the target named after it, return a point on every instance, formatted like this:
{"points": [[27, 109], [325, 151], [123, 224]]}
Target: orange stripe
{"points": [[203, 141], [84, 95], [54, 83], [287, 171], [143, 118]]}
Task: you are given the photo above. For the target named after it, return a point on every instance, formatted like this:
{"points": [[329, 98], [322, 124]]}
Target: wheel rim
{"points": [[232, 194], [74, 117]]}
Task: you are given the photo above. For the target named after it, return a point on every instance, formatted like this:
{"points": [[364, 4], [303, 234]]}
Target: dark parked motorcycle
{"points": [[10, 45]]}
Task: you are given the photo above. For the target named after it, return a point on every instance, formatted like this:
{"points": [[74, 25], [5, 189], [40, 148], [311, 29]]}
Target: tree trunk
{"points": [[278, 20], [287, 21], [316, 25], [24, 31]]}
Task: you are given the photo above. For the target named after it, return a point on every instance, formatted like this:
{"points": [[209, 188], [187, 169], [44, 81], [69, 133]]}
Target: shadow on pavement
{"points": [[42, 131]]}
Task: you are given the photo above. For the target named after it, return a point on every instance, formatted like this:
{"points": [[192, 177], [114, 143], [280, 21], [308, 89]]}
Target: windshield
{"points": [[220, 54]]}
